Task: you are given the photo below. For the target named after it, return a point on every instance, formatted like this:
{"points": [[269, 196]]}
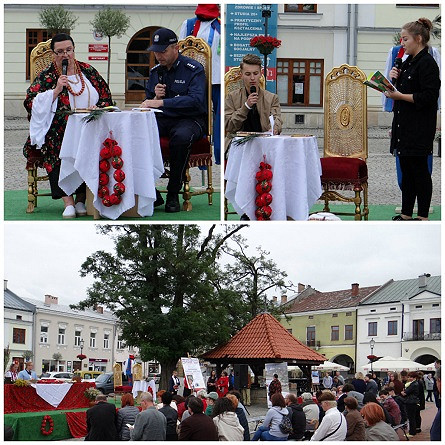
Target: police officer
{"points": [[177, 86]]}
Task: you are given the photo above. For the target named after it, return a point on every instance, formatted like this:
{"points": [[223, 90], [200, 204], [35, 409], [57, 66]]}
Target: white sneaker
{"points": [[69, 212], [80, 209]]}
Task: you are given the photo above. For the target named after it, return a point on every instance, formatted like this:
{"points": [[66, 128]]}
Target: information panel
{"points": [[242, 23]]}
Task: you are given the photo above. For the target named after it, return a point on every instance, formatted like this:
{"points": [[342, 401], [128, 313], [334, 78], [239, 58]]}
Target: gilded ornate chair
{"points": [[343, 164], [201, 152], [41, 57], [233, 81]]}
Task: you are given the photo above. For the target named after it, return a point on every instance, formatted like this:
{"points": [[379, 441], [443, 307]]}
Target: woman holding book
{"points": [[52, 94], [415, 115]]}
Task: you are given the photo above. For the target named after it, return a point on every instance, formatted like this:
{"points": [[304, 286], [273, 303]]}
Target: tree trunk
{"points": [[109, 60], [167, 368]]}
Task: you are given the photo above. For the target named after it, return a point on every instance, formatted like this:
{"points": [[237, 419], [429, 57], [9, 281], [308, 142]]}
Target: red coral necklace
{"points": [[78, 73]]}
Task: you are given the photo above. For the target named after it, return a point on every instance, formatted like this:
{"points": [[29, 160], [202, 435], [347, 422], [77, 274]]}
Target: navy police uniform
{"points": [[184, 117]]}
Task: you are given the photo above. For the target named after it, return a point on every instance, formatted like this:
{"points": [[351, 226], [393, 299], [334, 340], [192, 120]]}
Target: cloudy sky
{"points": [[45, 258]]}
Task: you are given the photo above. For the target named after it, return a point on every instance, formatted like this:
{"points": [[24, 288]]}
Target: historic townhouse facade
{"points": [[404, 319], [327, 321]]}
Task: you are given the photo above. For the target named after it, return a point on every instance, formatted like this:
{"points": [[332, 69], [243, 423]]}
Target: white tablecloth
{"points": [[137, 135], [52, 393], [142, 385], [296, 172]]}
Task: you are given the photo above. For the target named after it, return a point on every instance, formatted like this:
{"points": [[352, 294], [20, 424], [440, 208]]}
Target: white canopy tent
{"points": [[330, 366], [389, 363]]}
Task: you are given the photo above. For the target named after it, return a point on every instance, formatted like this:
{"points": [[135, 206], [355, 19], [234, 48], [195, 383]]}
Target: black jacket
{"points": [[298, 422], [412, 394], [414, 124], [101, 422]]}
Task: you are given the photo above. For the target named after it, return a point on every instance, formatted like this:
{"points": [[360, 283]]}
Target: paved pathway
{"points": [[383, 188]]}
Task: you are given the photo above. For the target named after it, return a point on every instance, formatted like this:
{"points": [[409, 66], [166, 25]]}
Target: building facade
{"points": [[315, 38], [327, 321], [404, 320], [130, 60], [18, 326]]}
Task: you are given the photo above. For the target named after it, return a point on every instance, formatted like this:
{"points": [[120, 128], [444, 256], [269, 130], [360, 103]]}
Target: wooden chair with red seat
{"points": [[41, 56], [201, 151], [343, 164], [233, 81]]}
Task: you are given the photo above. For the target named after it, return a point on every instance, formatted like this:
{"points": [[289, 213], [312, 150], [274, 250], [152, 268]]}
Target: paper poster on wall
{"points": [[315, 378], [193, 374], [281, 370], [299, 88]]}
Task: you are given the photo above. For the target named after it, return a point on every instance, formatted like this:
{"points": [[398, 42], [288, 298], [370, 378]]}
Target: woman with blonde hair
{"points": [[358, 382]]}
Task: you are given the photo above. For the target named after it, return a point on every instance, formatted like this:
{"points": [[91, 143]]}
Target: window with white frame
{"points": [[43, 334], [120, 342], [106, 341], [92, 339], [77, 337], [61, 336]]}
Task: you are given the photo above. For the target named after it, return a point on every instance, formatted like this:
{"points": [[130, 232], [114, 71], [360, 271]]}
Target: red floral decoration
{"points": [[81, 356], [265, 44], [43, 430], [372, 358], [111, 150], [264, 178]]}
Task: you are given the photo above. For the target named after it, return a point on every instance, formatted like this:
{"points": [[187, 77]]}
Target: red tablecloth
{"points": [[25, 399]]}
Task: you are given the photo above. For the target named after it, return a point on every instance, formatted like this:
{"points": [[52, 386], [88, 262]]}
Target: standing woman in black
{"points": [[415, 115]]}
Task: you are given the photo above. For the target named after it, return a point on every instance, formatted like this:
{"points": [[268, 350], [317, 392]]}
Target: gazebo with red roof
{"points": [[264, 340]]}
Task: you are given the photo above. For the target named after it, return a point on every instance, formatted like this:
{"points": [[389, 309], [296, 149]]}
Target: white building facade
{"points": [[130, 60], [404, 320]]}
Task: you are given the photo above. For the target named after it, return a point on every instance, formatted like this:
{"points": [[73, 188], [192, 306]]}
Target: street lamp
{"points": [[81, 356], [266, 13], [371, 345]]}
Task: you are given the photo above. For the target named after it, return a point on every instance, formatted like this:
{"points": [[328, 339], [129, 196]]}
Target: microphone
{"points": [[253, 90], [398, 62], [161, 75], [64, 66]]}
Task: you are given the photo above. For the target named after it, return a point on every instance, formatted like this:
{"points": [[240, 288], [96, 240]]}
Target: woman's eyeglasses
{"points": [[61, 52]]}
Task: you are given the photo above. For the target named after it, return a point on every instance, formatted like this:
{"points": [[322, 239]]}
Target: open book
{"points": [[379, 82]]}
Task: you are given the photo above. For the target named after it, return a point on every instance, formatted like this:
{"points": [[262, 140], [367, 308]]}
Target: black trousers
{"points": [[411, 413], [416, 183], [182, 132], [56, 191], [429, 396]]}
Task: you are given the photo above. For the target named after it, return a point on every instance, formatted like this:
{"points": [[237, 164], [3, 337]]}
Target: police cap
{"points": [[162, 38]]}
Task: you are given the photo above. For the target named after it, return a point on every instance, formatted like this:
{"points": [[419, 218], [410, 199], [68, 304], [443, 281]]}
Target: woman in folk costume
{"points": [[207, 26], [47, 101]]}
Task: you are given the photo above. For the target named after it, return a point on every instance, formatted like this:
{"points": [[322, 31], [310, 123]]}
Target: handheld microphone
{"points": [[64, 66], [398, 65], [161, 77], [253, 90]]}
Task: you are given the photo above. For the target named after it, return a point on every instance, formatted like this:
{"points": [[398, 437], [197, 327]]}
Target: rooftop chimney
{"points": [[274, 299], [6, 284], [301, 287], [354, 288], [100, 309], [423, 279], [283, 299], [49, 299]]}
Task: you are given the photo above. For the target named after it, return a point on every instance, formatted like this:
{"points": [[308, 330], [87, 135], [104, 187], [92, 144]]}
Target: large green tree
{"points": [[254, 277], [159, 284]]}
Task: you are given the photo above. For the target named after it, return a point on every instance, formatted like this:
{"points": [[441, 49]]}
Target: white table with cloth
{"points": [[137, 134], [142, 386], [296, 169]]}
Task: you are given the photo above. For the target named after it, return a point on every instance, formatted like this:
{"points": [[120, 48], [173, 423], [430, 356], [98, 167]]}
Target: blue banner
{"points": [[242, 23]]}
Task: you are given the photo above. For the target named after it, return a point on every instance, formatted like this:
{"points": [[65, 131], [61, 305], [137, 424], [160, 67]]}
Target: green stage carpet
{"points": [[48, 209], [26, 426], [376, 212]]}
